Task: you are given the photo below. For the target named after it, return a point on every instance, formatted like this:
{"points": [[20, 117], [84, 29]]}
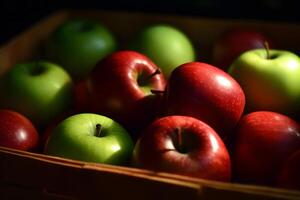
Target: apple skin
{"points": [[290, 174], [117, 92], [166, 45], [16, 131], [263, 142], [75, 138], [78, 44], [39, 90], [46, 132], [202, 153], [81, 96], [207, 93], [234, 42], [269, 84]]}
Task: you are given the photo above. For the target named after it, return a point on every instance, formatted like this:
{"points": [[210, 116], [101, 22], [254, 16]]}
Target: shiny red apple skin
{"points": [[207, 93], [205, 155], [116, 93], [263, 142], [289, 177], [234, 42], [17, 131]]}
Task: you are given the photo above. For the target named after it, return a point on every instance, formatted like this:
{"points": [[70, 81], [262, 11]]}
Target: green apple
{"points": [[270, 79], [92, 138], [78, 44], [39, 90], [166, 45]]}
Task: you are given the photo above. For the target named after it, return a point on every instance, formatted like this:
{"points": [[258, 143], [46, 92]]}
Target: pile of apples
{"points": [[153, 105]]}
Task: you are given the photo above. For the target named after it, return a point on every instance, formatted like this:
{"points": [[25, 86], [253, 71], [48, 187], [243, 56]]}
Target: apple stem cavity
{"points": [[37, 69], [178, 133], [146, 79], [157, 71], [266, 45], [98, 130], [85, 27]]}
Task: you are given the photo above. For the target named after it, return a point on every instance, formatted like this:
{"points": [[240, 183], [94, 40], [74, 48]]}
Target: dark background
{"points": [[17, 15]]}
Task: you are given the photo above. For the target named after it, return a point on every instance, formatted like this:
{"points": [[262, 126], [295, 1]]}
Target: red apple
{"points": [[290, 174], [121, 87], [264, 140], [234, 42], [207, 93], [81, 96], [16, 131], [183, 145]]}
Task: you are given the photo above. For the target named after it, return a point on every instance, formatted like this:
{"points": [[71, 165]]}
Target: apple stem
{"points": [[157, 71], [179, 138], [266, 45], [98, 130], [157, 91]]}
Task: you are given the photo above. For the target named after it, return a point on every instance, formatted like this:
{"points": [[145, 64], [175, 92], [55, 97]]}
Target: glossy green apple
{"points": [[166, 45], [39, 90], [270, 79], [78, 44], [92, 138]]}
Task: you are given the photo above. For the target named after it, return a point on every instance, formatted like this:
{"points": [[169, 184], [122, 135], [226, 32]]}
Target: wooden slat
{"points": [[88, 182], [81, 179], [11, 191], [29, 44]]}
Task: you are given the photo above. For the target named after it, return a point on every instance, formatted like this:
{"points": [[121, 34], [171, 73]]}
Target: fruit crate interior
{"points": [[202, 31], [39, 176]]}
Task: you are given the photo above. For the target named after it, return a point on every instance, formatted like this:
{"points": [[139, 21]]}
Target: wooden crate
{"points": [[35, 176]]}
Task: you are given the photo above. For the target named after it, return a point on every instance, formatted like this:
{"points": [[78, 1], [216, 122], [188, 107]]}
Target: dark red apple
{"points": [[183, 145], [122, 87], [207, 93], [16, 131], [81, 96], [264, 141], [235, 41], [290, 174]]}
